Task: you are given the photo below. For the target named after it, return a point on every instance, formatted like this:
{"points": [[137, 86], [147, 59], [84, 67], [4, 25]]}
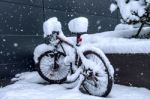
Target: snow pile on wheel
{"points": [[78, 25], [101, 53], [40, 49], [52, 24]]}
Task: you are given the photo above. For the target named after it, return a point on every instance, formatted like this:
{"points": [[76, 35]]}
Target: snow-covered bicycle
{"points": [[63, 61]]}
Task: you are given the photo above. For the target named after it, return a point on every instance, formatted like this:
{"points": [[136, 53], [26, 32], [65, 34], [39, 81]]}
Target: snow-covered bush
{"points": [[131, 10]]}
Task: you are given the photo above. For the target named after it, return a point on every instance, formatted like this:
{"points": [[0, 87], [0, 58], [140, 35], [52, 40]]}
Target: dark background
{"points": [[21, 27], [21, 31]]}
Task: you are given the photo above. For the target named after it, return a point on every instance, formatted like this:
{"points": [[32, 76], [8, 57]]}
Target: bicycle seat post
{"points": [[78, 43], [78, 39]]}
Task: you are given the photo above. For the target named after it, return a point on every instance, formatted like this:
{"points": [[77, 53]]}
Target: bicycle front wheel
{"points": [[49, 71], [97, 83]]}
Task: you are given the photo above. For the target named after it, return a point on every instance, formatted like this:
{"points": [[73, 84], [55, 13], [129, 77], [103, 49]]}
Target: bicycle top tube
{"points": [[65, 41]]}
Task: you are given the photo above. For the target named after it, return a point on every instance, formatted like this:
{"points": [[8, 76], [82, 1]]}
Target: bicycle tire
{"points": [[59, 75], [97, 90]]}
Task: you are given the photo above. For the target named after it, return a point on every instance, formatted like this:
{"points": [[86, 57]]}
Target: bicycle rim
{"points": [[47, 71], [100, 84]]}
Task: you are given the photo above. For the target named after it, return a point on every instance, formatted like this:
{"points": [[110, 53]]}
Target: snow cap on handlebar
{"points": [[50, 25], [78, 25]]}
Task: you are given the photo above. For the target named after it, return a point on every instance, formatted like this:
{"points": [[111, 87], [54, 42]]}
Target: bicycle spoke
{"points": [[53, 75], [90, 83], [97, 85]]}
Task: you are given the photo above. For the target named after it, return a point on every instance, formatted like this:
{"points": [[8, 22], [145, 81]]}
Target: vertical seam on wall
{"points": [[43, 10], [118, 16]]}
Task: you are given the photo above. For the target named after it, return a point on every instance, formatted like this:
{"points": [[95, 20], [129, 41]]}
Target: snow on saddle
{"points": [[78, 25]]}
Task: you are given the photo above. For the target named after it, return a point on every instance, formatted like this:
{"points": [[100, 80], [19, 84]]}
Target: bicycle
{"points": [[87, 65]]}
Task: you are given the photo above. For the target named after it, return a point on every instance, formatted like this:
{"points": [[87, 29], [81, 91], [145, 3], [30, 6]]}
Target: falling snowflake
{"points": [[98, 22], [21, 30], [117, 69], [6, 68], [31, 1], [142, 74], [15, 44], [71, 15], [37, 34], [4, 40], [99, 27], [73, 1], [110, 25], [16, 30], [7, 54], [1, 52], [11, 16]]}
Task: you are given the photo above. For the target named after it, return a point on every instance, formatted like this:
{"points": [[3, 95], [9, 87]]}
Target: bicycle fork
{"points": [[55, 61]]}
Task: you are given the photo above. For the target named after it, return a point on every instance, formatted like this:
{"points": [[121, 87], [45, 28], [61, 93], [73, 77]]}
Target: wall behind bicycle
{"points": [[21, 27]]}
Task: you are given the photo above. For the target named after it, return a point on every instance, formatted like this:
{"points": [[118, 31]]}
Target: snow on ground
{"points": [[120, 45], [27, 87], [119, 41]]}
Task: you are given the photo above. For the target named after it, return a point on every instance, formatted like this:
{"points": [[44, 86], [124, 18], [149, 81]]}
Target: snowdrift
{"points": [[27, 87]]}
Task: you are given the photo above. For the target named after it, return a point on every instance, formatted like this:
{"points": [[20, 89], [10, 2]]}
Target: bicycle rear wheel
{"points": [[47, 69], [98, 83]]}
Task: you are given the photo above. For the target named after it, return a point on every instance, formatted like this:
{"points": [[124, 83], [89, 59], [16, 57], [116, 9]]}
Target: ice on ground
{"points": [[78, 25], [25, 88]]}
